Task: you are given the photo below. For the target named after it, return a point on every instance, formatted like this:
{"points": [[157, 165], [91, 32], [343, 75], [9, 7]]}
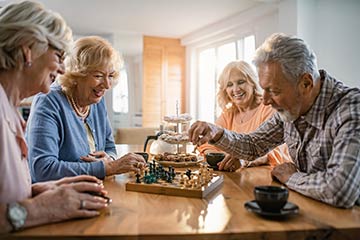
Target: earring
{"points": [[28, 64]]}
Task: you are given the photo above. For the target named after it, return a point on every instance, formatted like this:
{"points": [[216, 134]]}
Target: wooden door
{"points": [[164, 79]]}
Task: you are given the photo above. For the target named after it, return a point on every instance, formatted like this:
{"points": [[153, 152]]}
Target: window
{"points": [[211, 62], [121, 94], [206, 84]]}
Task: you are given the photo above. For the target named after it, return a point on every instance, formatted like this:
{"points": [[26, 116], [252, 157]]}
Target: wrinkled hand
{"points": [[229, 163], [97, 156], [202, 132], [284, 171], [41, 187], [67, 201], [255, 163], [127, 163]]}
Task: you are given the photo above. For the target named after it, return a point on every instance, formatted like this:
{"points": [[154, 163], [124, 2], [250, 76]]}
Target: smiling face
{"points": [[239, 90], [280, 93], [43, 71], [92, 87]]}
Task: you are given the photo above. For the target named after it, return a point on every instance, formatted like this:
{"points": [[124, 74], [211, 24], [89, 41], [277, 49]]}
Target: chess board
{"points": [[176, 187]]}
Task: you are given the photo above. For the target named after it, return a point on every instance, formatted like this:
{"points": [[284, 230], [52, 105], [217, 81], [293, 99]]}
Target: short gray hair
{"points": [[30, 24], [293, 54]]}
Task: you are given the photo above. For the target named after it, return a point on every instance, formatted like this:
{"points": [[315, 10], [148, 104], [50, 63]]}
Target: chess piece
{"points": [[188, 173], [138, 178]]}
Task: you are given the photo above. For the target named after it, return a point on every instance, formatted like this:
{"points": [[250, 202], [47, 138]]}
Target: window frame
{"points": [[114, 110]]}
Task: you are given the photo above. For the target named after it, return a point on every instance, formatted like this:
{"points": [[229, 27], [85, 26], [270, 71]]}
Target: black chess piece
{"points": [[163, 174], [138, 178], [172, 172], [169, 178], [188, 173]]}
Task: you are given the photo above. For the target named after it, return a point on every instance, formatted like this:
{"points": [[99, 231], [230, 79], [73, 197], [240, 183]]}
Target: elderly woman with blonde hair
{"points": [[33, 42], [68, 129], [243, 111]]}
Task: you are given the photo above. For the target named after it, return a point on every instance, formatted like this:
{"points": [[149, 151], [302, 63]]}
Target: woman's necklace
{"points": [[245, 116], [84, 113], [242, 117]]}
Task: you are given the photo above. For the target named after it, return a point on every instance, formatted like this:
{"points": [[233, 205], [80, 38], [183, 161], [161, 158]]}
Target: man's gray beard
{"points": [[286, 116]]}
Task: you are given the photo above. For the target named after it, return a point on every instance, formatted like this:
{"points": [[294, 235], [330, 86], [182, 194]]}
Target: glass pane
{"points": [[206, 85], [121, 94], [226, 54], [240, 49], [249, 48]]}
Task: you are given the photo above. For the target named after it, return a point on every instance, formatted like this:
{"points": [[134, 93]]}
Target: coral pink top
{"points": [[15, 181], [262, 113]]}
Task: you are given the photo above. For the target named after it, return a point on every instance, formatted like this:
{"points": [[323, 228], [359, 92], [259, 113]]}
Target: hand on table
{"points": [[202, 132], [69, 199], [41, 187], [255, 163], [284, 171]]}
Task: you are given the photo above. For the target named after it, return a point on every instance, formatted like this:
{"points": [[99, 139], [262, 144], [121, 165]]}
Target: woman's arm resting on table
{"points": [[67, 201]]}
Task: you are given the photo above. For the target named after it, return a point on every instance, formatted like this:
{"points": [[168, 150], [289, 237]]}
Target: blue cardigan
{"points": [[57, 138]]}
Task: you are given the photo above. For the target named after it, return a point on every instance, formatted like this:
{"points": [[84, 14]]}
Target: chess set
{"points": [[197, 183], [160, 176]]}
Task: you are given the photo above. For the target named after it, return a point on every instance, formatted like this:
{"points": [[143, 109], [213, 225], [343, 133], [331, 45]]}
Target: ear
{"points": [[306, 83], [27, 53]]}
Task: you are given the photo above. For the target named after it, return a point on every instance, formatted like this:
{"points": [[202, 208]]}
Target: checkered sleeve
{"points": [[256, 144]]}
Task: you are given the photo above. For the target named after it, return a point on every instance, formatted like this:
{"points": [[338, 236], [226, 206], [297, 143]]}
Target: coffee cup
{"points": [[213, 158], [271, 198]]}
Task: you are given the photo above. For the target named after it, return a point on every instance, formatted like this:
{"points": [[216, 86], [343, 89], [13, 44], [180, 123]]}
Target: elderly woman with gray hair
{"points": [[33, 42]]}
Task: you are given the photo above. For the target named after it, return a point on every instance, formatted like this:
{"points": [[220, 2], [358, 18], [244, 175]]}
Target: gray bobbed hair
{"points": [[30, 24]]}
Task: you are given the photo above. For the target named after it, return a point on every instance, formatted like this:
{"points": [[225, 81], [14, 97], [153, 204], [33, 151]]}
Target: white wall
{"points": [[331, 28], [338, 39]]}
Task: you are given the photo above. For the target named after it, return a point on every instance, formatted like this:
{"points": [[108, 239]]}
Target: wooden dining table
{"points": [[221, 215]]}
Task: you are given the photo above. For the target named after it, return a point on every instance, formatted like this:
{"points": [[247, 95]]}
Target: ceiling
{"points": [[164, 18]]}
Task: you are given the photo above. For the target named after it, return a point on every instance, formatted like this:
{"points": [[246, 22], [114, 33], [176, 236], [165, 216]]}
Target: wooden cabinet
{"points": [[163, 79]]}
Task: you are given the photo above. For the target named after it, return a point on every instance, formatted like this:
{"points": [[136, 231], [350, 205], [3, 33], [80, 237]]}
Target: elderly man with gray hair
{"points": [[317, 116]]}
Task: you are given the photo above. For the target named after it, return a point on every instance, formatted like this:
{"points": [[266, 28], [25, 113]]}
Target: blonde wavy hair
{"points": [[29, 24], [89, 54], [249, 75]]}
